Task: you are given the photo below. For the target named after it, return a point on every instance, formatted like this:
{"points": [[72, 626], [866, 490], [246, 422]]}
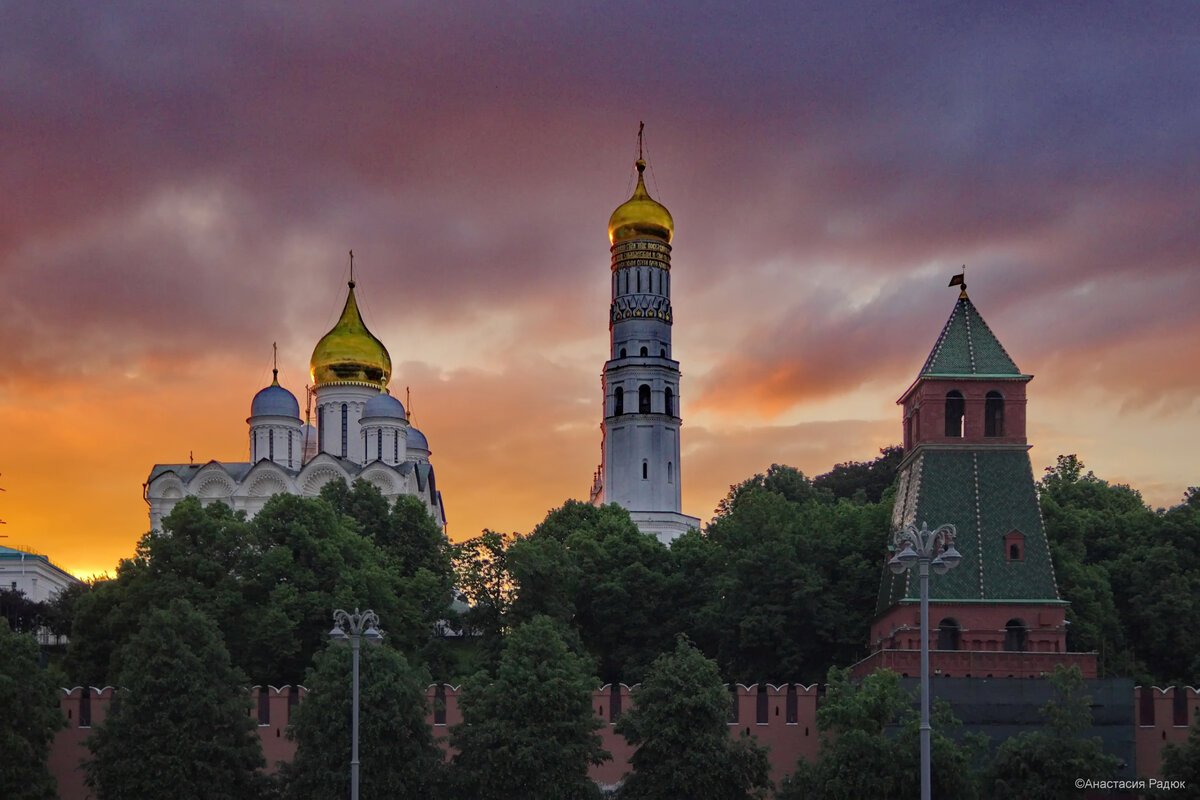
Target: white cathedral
{"points": [[639, 451], [361, 431]]}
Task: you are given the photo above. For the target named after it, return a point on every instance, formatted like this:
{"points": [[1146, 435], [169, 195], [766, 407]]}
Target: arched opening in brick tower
{"points": [[993, 414], [955, 408]]}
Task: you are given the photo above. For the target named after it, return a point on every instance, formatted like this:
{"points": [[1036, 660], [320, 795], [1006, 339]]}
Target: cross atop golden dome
{"points": [[640, 216]]}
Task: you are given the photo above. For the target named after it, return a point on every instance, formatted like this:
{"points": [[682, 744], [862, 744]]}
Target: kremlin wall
{"points": [[781, 717]]}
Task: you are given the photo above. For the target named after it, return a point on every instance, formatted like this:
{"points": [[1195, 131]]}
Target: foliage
{"points": [[529, 730], [31, 718], [1181, 762], [791, 561], [863, 481], [273, 581], [1045, 763], [860, 757], [679, 726], [1132, 574], [396, 749], [206, 746], [481, 575]]}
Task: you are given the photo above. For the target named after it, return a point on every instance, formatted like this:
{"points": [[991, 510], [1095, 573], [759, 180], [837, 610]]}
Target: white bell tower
{"points": [[640, 467]]}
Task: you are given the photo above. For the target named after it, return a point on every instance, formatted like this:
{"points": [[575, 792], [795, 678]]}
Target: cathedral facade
{"points": [[360, 431], [640, 466]]}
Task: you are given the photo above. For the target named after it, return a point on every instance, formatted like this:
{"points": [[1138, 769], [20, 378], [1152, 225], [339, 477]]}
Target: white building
{"points": [[639, 467], [34, 574], [361, 431]]}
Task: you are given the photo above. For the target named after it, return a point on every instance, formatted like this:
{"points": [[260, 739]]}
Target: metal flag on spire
{"points": [[352, 269], [641, 127], [960, 280]]}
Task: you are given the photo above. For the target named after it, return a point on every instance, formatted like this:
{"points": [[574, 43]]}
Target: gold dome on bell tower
{"points": [[640, 216], [349, 353]]}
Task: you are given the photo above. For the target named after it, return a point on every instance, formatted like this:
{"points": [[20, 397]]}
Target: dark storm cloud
{"points": [[471, 153]]}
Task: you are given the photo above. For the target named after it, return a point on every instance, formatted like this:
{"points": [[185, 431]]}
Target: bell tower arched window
{"points": [[955, 408], [618, 402], [993, 414], [949, 634], [1016, 636], [644, 399], [669, 397]]}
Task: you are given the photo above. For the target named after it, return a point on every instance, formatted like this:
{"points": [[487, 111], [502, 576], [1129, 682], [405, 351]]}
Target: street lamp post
{"points": [[926, 549], [360, 626]]}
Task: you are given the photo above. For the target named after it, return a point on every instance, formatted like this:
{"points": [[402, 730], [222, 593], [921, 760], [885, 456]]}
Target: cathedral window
{"points": [[321, 429], [345, 429], [955, 408], [645, 470], [622, 352], [1016, 636], [644, 399], [271, 444], [290, 437], [993, 414], [396, 446], [379, 445], [619, 399], [639, 281], [670, 472], [645, 352], [949, 634], [669, 398], [662, 352]]}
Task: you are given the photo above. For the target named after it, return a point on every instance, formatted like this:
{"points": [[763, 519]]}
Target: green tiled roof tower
{"points": [[967, 463]]}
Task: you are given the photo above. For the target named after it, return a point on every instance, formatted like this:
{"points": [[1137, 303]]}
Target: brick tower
{"points": [[967, 463]]}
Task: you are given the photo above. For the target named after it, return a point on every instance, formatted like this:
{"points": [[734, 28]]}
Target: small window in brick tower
{"points": [[1014, 546], [955, 408], [993, 414]]}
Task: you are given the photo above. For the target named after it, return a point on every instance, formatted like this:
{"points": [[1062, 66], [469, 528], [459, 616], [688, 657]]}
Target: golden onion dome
{"points": [[640, 216], [349, 353]]}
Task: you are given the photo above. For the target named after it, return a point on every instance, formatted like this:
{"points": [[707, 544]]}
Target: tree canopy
{"points": [[31, 718], [177, 682], [529, 731], [396, 749], [679, 726]]}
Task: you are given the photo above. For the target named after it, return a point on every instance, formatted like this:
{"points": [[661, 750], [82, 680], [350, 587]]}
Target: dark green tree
{"points": [[792, 560], [870, 746], [863, 481], [1181, 762], [183, 729], [396, 749], [529, 729], [679, 726], [482, 578], [1044, 764], [30, 719]]}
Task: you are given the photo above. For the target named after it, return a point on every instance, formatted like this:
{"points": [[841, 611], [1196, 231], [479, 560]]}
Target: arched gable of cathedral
{"points": [[384, 478], [267, 478], [318, 472], [212, 482], [167, 485]]}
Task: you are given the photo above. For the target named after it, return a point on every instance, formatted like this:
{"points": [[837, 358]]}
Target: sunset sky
{"points": [[182, 182]]}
